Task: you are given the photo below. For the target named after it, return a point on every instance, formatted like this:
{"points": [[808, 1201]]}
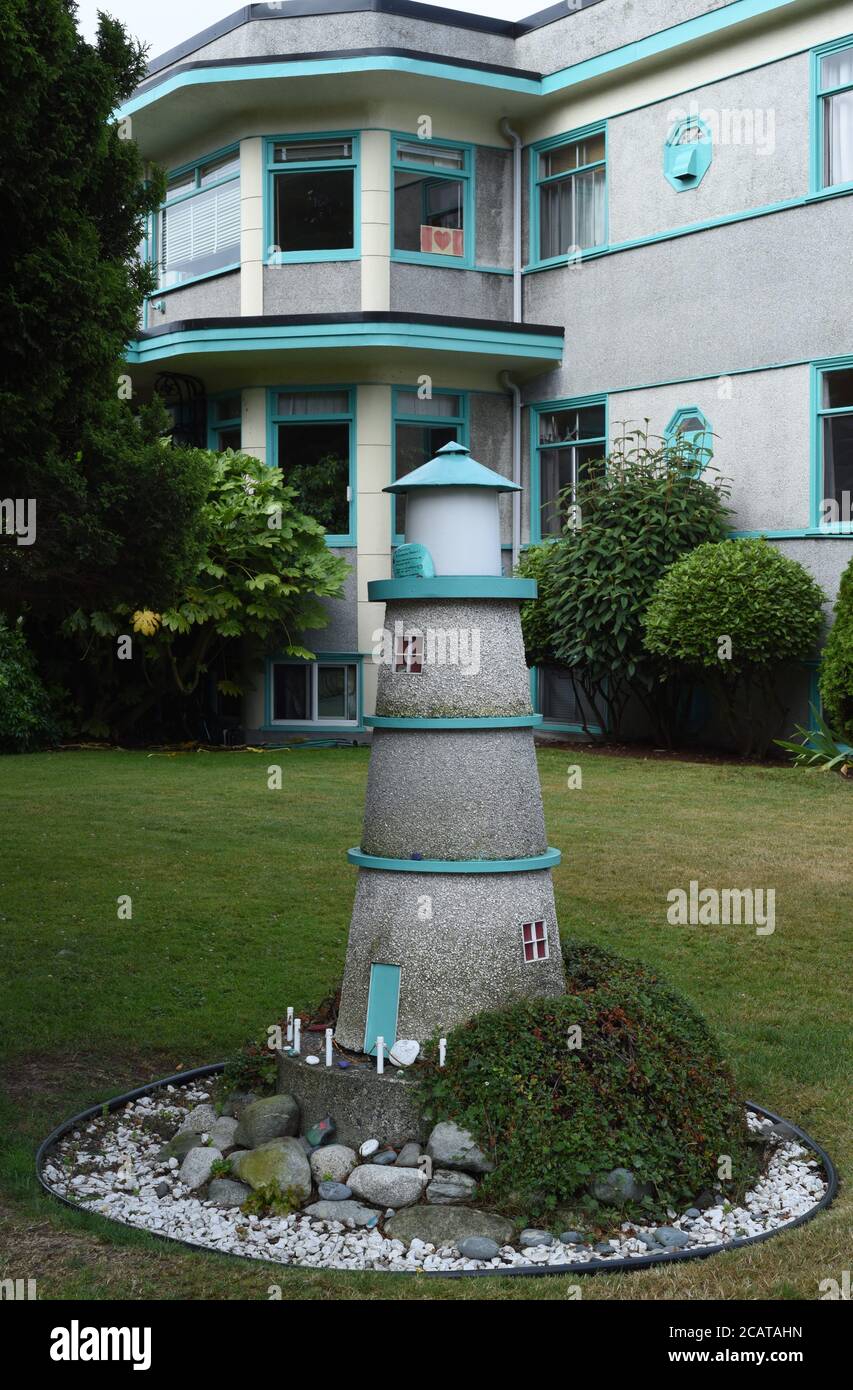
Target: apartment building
{"points": [[389, 226]]}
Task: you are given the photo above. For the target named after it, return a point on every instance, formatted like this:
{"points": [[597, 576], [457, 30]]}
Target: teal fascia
{"points": [[510, 721], [548, 860], [451, 586], [453, 467]]}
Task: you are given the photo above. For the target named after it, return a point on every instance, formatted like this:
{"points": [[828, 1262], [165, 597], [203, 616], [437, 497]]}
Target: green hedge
{"points": [[26, 721], [836, 669]]}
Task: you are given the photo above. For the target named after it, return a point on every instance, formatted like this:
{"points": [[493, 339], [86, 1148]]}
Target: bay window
{"points": [[198, 227], [313, 198]]}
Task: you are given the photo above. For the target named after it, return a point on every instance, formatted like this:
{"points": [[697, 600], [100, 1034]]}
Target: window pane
{"points": [[566, 158], [303, 151], [416, 444], [312, 403], [410, 403], [200, 235], [228, 439], [181, 183], [336, 693], [556, 473], [424, 201], [838, 460], [838, 119], [557, 426], [838, 389], [571, 213], [290, 692], [426, 154], [227, 408], [315, 461], [314, 210], [219, 169], [836, 69], [557, 698]]}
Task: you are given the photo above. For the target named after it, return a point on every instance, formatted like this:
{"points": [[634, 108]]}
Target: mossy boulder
{"points": [[281, 1161], [643, 1086]]}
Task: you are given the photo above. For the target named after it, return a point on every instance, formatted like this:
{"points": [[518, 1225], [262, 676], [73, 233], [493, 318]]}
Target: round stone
{"points": [[404, 1052], [478, 1248], [531, 1237], [369, 1148], [334, 1191], [312, 1061]]}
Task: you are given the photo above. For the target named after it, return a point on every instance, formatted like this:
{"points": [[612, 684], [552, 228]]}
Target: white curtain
{"points": [[839, 136]]}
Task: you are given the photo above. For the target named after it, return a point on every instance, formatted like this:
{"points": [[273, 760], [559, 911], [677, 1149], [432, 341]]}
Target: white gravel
{"points": [[111, 1166]]}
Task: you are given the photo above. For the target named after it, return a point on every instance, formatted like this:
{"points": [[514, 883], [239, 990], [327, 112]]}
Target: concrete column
{"points": [[251, 226], [254, 428], [373, 471], [375, 219]]}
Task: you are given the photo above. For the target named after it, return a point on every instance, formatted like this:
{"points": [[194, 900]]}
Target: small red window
{"points": [[534, 936], [409, 653]]}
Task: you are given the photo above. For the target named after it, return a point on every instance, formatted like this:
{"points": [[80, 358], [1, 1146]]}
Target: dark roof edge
{"points": [[268, 58], [430, 14], [365, 316]]}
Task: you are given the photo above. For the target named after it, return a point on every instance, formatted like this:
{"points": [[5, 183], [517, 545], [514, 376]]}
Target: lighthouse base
{"points": [[458, 945], [363, 1104]]}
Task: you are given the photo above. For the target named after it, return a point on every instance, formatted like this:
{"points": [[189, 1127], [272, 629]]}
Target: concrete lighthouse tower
{"points": [[454, 909]]}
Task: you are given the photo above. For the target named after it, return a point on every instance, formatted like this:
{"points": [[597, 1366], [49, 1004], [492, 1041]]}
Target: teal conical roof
{"points": [[453, 466]]}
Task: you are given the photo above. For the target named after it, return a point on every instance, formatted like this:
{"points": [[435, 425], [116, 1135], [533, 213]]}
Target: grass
{"points": [[240, 900]]}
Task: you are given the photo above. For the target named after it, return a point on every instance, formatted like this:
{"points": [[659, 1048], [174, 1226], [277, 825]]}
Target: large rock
{"points": [[387, 1187], [273, 1117], [451, 1147], [448, 1187], [180, 1146], [334, 1163], [200, 1120], [225, 1192], [341, 1211], [280, 1160], [195, 1169], [618, 1187], [237, 1103], [447, 1225], [222, 1133]]}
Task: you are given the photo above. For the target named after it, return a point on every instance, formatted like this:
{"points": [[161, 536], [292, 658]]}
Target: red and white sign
{"points": [[443, 241]]}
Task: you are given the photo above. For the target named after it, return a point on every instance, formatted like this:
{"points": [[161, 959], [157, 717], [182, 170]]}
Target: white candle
{"points": [[328, 1047], [380, 1055], [442, 1051], [297, 1035], [290, 1025]]}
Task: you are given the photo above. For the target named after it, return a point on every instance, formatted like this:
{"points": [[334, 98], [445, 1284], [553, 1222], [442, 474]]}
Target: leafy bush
{"points": [[26, 721], [768, 607], [647, 1090], [639, 512], [272, 1201], [817, 748], [535, 563], [836, 667], [253, 1068]]}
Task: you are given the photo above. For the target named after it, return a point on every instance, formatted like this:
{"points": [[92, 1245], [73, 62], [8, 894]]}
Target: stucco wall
{"points": [[317, 287], [494, 206], [585, 33], [219, 296], [768, 107], [428, 289]]}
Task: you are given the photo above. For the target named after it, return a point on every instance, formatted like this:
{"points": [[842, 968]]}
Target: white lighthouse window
{"points": [[409, 653], [534, 936]]}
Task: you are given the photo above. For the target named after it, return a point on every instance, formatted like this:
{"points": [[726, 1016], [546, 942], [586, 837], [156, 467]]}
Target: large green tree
{"points": [[116, 513]]}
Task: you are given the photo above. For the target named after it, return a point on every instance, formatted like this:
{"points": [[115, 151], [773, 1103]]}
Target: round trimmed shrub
{"points": [[836, 667], [647, 1090], [26, 721]]}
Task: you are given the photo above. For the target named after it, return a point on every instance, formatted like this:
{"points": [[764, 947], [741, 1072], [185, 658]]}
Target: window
{"points": [[409, 653], [312, 434], [198, 227], [835, 447], [318, 692], [687, 153], [534, 936], [433, 202], [569, 442], [835, 114], [313, 198], [421, 428], [225, 423], [568, 197], [690, 427]]}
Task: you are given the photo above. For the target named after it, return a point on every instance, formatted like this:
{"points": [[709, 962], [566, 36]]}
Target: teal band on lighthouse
{"points": [[454, 886]]}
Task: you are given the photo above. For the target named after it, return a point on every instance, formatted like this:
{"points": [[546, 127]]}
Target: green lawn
{"points": [[241, 899]]}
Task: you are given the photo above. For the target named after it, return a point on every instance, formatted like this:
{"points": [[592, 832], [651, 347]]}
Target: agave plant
{"points": [[818, 747]]}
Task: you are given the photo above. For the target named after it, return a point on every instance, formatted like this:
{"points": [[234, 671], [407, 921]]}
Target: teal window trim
{"points": [[545, 408], [817, 162], [702, 440], [697, 153], [345, 417], [214, 425], [155, 236], [819, 413], [402, 417], [330, 726], [535, 260], [271, 170], [465, 176]]}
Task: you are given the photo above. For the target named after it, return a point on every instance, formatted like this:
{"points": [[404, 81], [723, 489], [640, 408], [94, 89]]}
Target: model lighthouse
{"points": [[454, 909]]}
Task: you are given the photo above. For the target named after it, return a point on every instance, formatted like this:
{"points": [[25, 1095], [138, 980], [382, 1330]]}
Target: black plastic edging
{"points": [[598, 1266]]}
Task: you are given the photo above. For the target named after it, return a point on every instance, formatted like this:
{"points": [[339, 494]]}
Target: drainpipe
{"points": [[506, 379]]}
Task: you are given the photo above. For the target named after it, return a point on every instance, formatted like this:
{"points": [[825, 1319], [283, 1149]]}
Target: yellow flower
{"points": [[146, 622]]}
